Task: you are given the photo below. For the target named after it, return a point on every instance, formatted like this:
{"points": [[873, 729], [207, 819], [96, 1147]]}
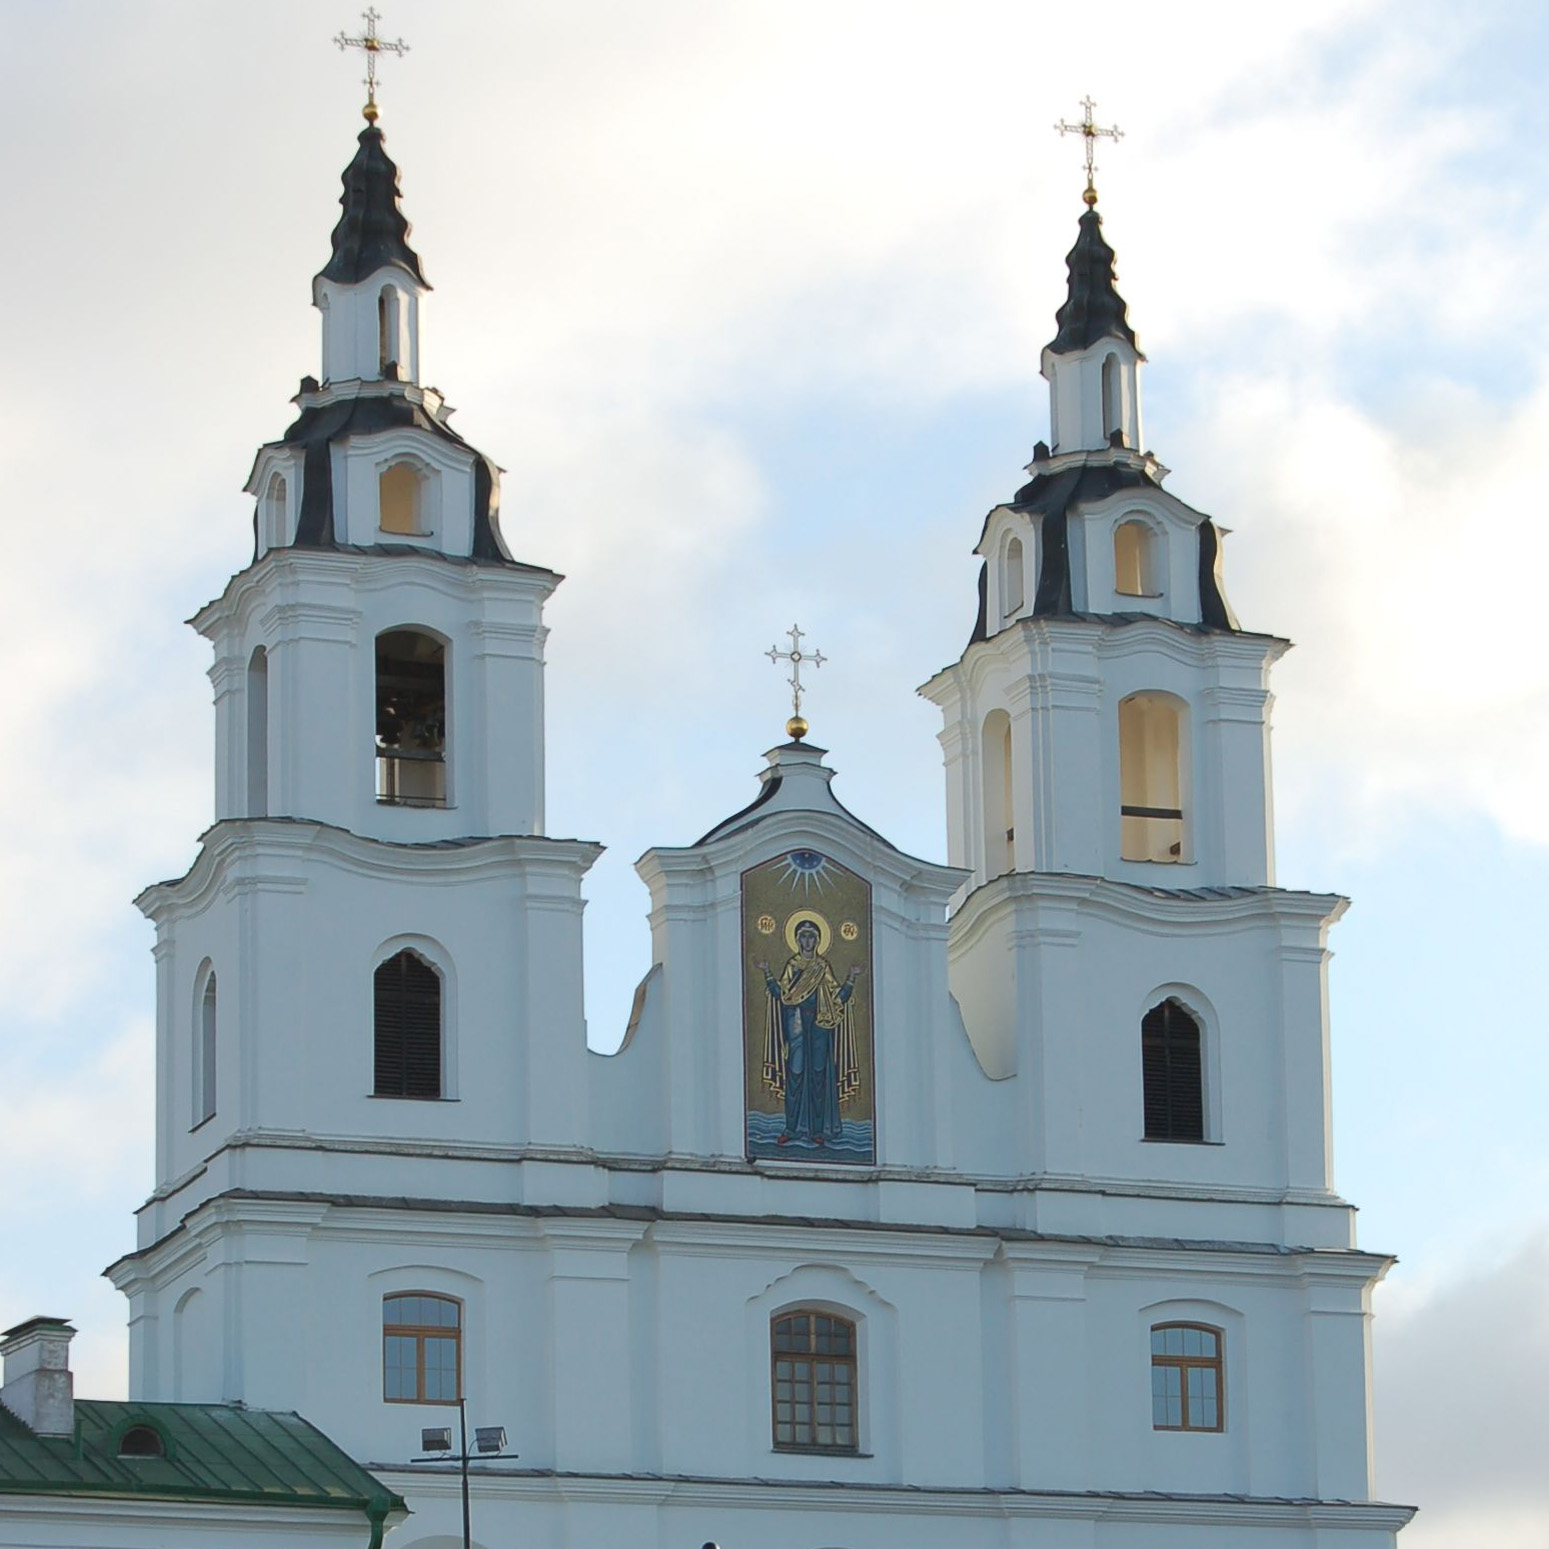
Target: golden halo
{"points": [[825, 931]]}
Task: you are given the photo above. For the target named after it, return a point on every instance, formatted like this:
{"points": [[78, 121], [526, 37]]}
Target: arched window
{"points": [[274, 512], [400, 497], [1188, 1386], [204, 1052], [1134, 560], [411, 718], [1151, 778], [190, 1335], [389, 317], [999, 829], [406, 995], [258, 734], [1113, 410], [141, 1441], [1172, 1071], [1013, 580], [813, 1382], [422, 1349]]}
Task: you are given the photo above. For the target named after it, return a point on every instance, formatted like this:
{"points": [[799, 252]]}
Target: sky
{"points": [[747, 298]]}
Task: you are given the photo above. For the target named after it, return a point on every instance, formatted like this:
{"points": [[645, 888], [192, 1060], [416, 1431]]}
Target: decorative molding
{"points": [[828, 1497]]}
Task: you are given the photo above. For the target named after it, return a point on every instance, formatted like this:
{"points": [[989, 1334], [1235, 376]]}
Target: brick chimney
{"points": [[37, 1386]]}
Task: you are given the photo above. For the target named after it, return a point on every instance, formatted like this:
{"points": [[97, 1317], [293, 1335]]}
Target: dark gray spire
{"points": [[1093, 309], [372, 231]]}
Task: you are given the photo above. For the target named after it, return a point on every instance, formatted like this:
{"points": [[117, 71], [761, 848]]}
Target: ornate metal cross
{"points": [[796, 727], [371, 45], [1090, 133]]}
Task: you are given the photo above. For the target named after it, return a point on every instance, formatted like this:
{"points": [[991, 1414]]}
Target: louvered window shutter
{"points": [[408, 1028], [1172, 1073]]}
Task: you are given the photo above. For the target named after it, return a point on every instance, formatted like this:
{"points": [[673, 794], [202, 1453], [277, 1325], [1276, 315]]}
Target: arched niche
{"points": [[1152, 778], [996, 769], [1136, 558], [274, 512], [204, 1044], [1113, 401], [1013, 578], [411, 718], [258, 733], [392, 331], [404, 490]]}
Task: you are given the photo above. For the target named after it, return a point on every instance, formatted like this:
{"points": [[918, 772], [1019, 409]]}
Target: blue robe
{"points": [[809, 1002]]}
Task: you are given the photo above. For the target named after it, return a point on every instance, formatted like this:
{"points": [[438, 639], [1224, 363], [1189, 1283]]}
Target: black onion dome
{"points": [[373, 231], [1094, 309]]}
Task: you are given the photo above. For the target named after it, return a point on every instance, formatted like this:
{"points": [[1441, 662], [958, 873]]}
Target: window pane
{"points": [[440, 1368], [1208, 1414], [1166, 1397], [1195, 1388], [398, 1368], [790, 1334]]}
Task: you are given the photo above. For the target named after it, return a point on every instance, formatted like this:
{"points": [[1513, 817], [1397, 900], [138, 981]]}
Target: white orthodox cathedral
{"points": [[985, 1204]]}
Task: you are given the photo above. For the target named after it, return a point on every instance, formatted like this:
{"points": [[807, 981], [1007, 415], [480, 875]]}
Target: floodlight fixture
{"points": [[488, 1441]]}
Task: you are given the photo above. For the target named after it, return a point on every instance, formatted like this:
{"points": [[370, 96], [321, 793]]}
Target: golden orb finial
{"points": [[371, 113], [796, 728]]}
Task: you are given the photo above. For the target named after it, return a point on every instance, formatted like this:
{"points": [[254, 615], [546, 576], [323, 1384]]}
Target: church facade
{"points": [[980, 1204]]}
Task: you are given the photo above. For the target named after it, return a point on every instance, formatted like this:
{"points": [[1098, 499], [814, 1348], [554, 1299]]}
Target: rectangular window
{"points": [[1186, 1378], [421, 1349], [812, 1383]]}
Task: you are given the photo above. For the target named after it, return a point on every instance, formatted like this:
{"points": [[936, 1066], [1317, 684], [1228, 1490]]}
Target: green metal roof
{"points": [[214, 1452]]}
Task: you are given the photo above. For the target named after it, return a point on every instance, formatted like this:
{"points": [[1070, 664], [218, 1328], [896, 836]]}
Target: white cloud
{"points": [[76, 1137], [1460, 1403], [1409, 569]]}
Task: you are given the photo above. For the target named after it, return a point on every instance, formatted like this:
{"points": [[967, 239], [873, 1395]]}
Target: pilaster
{"points": [[588, 1293]]}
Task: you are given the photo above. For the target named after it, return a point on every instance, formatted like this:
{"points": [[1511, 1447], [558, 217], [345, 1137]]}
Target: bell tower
{"points": [[405, 621], [373, 967], [1106, 742], [1109, 716]]}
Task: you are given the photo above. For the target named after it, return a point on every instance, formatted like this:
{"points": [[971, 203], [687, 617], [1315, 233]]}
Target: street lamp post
{"points": [[489, 1441]]}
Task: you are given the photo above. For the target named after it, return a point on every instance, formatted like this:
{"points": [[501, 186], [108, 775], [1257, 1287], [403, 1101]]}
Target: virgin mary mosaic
{"points": [[807, 1029]]}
